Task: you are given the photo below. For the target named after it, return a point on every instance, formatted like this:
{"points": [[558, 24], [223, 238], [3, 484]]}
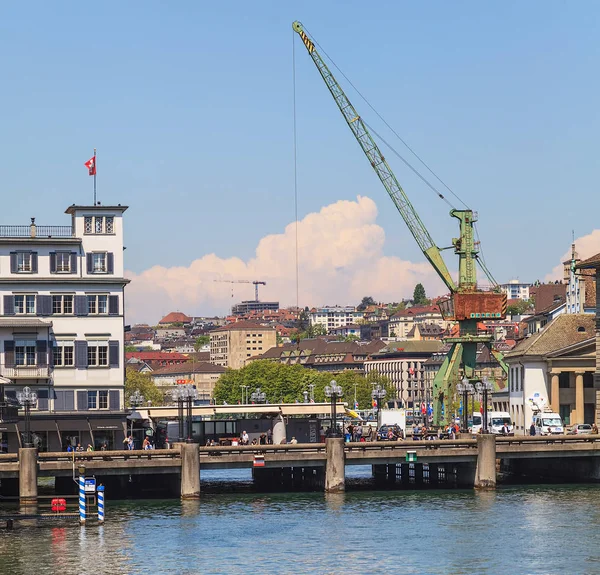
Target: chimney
{"points": [[32, 228]]}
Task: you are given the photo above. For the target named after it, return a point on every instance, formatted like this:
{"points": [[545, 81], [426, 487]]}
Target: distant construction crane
{"points": [[255, 282]]}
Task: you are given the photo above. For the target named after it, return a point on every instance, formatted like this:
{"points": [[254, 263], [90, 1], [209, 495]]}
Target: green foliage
{"points": [[419, 296], [348, 338], [366, 301], [313, 330], [285, 383], [201, 341], [130, 348], [136, 381], [520, 307]]}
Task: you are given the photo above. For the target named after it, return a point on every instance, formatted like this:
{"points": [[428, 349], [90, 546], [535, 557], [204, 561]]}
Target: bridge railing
{"points": [[544, 439], [82, 456], [410, 445], [207, 451]]}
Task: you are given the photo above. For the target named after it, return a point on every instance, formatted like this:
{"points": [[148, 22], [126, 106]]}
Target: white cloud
{"points": [[341, 260], [585, 246]]}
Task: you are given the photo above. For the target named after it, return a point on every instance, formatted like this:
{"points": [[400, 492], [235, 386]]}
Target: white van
{"points": [[548, 423], [496, 421]]}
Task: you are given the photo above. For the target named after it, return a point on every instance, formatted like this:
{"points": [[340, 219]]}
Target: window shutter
{"points": [[42, 352], [9, 305], [73, 263], [42, 403], [52, 262], [81, 359], [9, 353], [110, 263], [13, 262], [59, 401], [70, 400], [113, 354], [113, 305], [90, 264], [81, 305], [82, 403], [44, 304], [51, 355], [114, 400], [34, 266]]}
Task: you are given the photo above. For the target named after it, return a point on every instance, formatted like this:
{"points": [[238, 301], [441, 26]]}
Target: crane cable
{"points": [[295, 168], [394, 132]]}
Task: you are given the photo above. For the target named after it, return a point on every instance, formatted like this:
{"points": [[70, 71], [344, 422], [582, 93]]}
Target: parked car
{"points": [[384, 430], [581, 429]]}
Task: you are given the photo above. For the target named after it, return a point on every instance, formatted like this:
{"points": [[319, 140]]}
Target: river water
{"points": [[514, 530]]}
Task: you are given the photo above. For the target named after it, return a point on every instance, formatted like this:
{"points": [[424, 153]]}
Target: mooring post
{"points": [[100, 492], [82, 498], [28, 473], [335, 468], [190, 471], [485, 473]]}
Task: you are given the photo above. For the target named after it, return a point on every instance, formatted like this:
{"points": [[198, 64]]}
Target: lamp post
{"points": [[27, 399], [245, 394], [465, 387], [378, 394], [484, 387], [311, 392], [178, 397], [333, 391], [258, 396], [305, 394], [135, 400]]}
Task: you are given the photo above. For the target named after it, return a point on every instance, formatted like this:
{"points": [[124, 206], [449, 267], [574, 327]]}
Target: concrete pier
{"points": [[485, 472], [190, 471], [28, 474], [335, 467]]}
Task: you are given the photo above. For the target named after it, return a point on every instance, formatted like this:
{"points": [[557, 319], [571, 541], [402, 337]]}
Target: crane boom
{"points": [[379, 164]]}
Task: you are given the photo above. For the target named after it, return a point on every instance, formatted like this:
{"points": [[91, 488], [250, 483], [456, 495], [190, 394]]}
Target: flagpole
{"points": [[95, 171]]}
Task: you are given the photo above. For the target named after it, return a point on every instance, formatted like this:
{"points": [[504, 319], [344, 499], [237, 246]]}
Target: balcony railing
{"points": [[35, 231], [25, 371]]}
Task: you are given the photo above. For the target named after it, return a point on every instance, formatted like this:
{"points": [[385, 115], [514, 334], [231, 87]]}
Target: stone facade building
{"points": [[232, 345]]}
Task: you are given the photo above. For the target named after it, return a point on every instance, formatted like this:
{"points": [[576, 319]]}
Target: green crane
{"points": [[467, 304]]}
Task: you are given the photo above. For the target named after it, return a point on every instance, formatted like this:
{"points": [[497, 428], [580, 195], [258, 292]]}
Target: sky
{"points": [[190, 105]]}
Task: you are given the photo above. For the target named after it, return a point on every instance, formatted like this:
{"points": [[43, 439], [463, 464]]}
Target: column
{"points": [[554, 393], [579, 411], [28, 472], [190, 471], [485, 472], [335, 467]]}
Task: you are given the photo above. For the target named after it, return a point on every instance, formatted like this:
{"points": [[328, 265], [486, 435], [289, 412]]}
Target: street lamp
{"points": [[185, 393], [245, 394], [311, 392], [305, 394], [378, 394], [27, 399], [465, 387], [135, 400], [484, 387], [258, 396], [333, 391]]}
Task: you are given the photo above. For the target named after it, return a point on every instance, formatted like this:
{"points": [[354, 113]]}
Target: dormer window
{"points": [[99, 225]]}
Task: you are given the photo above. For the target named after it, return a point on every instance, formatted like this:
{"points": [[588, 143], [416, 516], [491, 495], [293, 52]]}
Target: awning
{"points": [[23, 322], [139, 415]]}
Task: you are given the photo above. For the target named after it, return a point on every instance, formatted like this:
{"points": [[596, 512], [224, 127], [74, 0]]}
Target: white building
{"points": [[61, 328], [335, 316], [515, 289]]}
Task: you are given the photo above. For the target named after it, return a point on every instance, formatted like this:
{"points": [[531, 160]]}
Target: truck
{"points": [[393, 417], [495, 422], [548, 422]]}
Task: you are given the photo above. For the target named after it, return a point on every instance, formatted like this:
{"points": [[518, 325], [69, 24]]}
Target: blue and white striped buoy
{"points": [[82, 499], [100, 491]]}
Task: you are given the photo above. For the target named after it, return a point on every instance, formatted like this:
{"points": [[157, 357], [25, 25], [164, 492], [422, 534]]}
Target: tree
{"points": [[519, 307], [130, 348], [366, 301], [201, 341], [348, 338], [287, 382], [419, 296], [136, 381]]}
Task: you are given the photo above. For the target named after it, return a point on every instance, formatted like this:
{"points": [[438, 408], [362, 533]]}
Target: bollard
{"points": [[82, 499], [100, 491]]}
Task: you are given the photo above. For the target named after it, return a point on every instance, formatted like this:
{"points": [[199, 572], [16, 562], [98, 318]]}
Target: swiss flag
{"points": [[91, 166]]}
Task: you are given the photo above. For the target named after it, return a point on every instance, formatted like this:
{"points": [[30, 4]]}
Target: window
{"points": [[25, 352], [62, 304], [103, 399], [99, 225], [97, 353], [23, 262], [63, 354], [63, 262], [99, 262], [97, 304], [25, 304], [92, 400]]}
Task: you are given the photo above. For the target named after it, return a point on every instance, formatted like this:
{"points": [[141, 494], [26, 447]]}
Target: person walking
{"points": [[532, 429], [269, 436]]}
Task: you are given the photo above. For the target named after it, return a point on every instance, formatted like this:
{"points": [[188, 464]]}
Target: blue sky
{"points": [[190, 107]]}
